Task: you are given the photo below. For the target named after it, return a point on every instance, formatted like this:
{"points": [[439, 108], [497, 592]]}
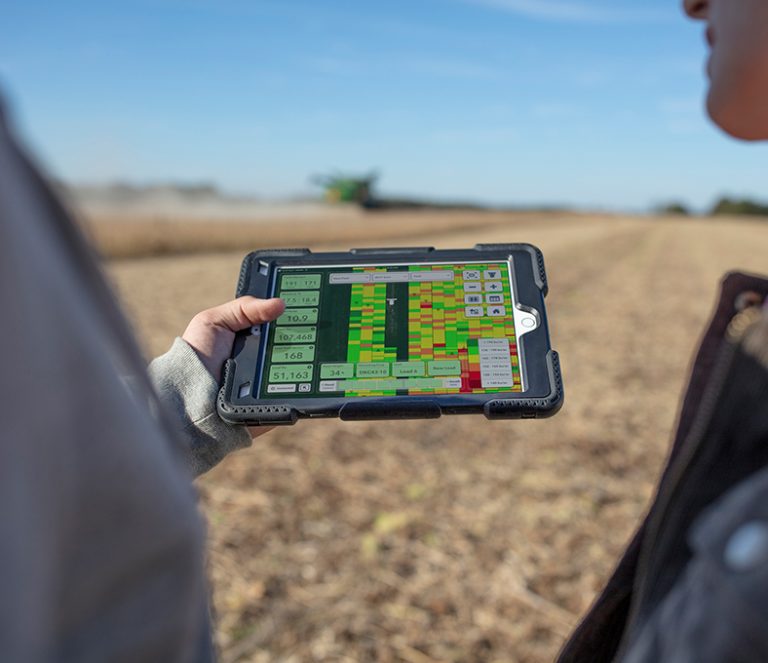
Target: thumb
{"points": [[244, 312], [211, 332]]}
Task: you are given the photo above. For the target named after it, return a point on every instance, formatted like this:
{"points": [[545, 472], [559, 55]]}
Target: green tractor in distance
{"points": [[348, 189]]}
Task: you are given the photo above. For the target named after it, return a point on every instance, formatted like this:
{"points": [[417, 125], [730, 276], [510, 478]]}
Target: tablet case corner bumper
{"points": [[532, 408], [259, 415]]}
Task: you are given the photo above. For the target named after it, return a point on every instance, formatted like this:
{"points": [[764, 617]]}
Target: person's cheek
{"points": [[738, 95], [725, 99]]}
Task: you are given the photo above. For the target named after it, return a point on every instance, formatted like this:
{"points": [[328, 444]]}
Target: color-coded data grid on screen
{"points": [[393, 330]]}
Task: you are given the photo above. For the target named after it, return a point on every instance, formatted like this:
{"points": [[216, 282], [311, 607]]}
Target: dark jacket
{"points": [[692, 586]]}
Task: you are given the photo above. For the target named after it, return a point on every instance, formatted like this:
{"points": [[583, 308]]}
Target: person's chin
{"points": [[732, 120]]}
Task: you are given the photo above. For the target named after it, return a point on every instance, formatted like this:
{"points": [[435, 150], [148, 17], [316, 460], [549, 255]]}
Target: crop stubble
{"points": [[458, 539]]}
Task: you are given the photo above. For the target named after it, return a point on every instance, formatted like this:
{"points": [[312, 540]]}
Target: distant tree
{"points": [[674, 208], [731, 207]]}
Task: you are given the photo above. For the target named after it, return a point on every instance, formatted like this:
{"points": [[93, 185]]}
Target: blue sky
{"points": [[596, 103]]}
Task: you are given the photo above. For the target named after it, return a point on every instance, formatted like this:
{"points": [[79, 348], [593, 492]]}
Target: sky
{"points": [[592, 103]]}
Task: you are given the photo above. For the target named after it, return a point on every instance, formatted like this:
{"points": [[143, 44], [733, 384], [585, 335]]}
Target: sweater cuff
{"points": [[188, 392]]}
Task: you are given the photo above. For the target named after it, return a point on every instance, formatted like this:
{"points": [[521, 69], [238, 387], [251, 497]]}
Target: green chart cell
{"points": [[301, 298], [375, 369], [295, 334], [445, 368], [298, 316], [393, 384], [408, 369], [300, 282], [285, 353], [331, 371], [291, 372]]}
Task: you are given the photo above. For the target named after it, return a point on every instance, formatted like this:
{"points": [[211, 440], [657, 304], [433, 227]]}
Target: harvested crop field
{"points": [[456, 539]]}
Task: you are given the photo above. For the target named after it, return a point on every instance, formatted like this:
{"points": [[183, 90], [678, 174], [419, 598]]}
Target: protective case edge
{"points": [[504, 408]]}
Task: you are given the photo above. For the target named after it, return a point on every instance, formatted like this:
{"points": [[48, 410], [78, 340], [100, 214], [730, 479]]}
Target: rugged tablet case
{"points": [[543, 397]]}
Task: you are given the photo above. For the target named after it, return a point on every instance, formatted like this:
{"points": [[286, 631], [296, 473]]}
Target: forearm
{"points": [[188, 391]]}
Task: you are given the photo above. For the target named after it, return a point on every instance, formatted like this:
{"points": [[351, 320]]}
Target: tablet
{"points": [[395, 333]]}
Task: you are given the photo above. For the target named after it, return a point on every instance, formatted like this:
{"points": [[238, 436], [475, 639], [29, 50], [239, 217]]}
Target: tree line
{"points": [[723, 207]]}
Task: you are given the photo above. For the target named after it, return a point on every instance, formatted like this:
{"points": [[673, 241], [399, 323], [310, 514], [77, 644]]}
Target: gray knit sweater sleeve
{"points": [[188, 392]]}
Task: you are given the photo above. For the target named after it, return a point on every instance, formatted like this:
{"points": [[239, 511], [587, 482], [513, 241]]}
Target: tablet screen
{"points": [[392, 330]]}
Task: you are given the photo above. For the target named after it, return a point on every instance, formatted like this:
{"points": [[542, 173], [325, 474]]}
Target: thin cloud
{"points": [[428, 67], [476, 136], [335, 66], [683, 115], [681, 106], [555, 111], [452, 69], [567, 11]]}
